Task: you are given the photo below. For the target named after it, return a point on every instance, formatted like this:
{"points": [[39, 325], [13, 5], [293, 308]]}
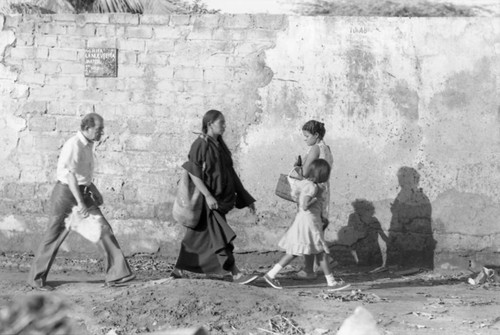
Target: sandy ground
{"points": [[421, 303]]}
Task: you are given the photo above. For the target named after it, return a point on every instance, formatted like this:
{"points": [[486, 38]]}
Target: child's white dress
{"points": [[305, 236]]}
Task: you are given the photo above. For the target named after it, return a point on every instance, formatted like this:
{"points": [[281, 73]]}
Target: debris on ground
{"points": [[486, 275], [354, 295], [281, 325]]}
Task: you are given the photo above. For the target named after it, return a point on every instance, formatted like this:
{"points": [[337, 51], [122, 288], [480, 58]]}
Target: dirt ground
{"points": [[426, 302]]}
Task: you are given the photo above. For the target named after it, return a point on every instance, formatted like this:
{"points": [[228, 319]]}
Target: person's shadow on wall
{"points": [[411, 241], [363, 235]]}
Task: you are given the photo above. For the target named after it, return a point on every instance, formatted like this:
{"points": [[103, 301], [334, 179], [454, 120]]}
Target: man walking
{"points": [[74, 187]]}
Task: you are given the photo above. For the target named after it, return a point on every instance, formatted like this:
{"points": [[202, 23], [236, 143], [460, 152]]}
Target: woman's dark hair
{"points": [[210, 116], [319, 171], [315, 127], [89, 121]]}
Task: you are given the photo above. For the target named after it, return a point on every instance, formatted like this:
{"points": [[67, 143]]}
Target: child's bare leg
{"points": [[325, 265], [355, 255], [323, 262], [284, 261]]}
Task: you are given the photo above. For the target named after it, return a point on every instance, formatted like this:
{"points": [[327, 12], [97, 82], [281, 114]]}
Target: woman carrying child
{"points": [[314, 132], [306, 236]]}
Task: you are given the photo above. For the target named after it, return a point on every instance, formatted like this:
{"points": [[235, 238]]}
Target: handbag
{"points": [[286, 187], [188, 202]]}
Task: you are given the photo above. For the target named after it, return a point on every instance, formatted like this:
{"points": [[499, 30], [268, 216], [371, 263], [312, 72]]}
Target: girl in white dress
{"points": [[314, 132], [306, 236]]}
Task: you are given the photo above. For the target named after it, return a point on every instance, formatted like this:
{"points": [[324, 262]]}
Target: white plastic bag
{"points": [[89, 227]]}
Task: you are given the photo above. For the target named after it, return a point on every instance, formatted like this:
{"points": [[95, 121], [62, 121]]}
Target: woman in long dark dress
{"points": [[208, 248]]}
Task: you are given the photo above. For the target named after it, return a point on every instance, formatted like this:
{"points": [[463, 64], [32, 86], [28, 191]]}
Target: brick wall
{"points": [[392, 93]]}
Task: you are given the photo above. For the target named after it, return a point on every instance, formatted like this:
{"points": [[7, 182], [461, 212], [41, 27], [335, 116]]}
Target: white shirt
{"points": [[77, 156]]}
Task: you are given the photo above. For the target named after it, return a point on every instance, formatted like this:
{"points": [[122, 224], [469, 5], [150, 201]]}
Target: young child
{"points": [[306, 236], [314, 132]]}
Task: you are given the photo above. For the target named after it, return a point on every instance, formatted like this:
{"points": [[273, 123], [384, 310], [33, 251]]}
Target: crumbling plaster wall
{"points": [[421, 93]]}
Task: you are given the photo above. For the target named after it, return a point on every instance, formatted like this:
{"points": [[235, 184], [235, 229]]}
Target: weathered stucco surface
{"points": [[415, 93]]}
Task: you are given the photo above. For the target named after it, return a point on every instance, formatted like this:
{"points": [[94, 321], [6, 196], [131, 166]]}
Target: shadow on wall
{"points": [[411, 242], [363, 235]]}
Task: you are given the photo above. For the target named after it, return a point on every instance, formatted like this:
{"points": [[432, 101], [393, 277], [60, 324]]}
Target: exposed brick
{"points": [[139, 32], [114, 96], [72, 82], [11, 21], [155, 19], [160, 45], [61, 108], [19, 190], [42, 53], [42, 123], [127, 70], [154, 58], [41, 93], [70, 42], [89, 94], [68, 123], [49, 67], [87, 30], [275, 22], [34, 107], [164, 72], [131, 44], [169, 32], [207, 21], [25, 40], [63, 17], [127, 19], [32, 78], [46, 40], [20, 92], [62, 54], [102, 83], [127, 57], [47, 143], [96, 18], [7, 73], [150, 193], [53, 29], [200, 34], [229, 34], [243, 21], [85, 108], [217, 74], [180, 20], [138, 143], [127, 84], [141, 126], [26, 27], [214, 60], [101, 42], [246, 49], [171, 85], [22, 52], [110, 31], [71, 68], [261, 34]]}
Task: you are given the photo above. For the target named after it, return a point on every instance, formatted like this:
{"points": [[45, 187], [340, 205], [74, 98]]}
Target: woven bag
{"points": [[188, 203], [284, 187]]}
